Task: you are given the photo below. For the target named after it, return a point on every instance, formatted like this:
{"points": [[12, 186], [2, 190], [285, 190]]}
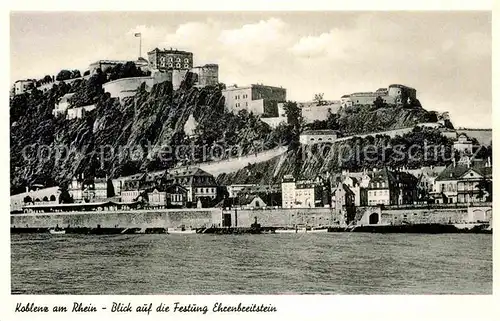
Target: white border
{"points": [[290, 307]]}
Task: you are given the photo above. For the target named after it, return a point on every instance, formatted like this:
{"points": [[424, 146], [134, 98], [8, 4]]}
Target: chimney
{"points": [[454, 163], [488, 163], [27, 189]]}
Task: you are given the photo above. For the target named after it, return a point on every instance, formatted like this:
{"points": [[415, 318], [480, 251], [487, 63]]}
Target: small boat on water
{"points": [[181, 230], [290, 230], [57, 232], [301, 229], [318, 230]]}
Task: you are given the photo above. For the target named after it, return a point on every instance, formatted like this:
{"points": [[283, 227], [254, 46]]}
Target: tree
{"points": [[294, 118], [318, 99], [64, 197], [110, 189], [379, 103], [485, 187], [63, 75], [75, 74], [28, 199], [47, 79]]}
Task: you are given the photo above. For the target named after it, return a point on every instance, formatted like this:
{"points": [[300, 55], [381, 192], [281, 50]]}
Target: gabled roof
{"points": [[432, 171], [189, 171], [382, 176], [175, 188], [247, 199], [354, 179], [456, 172], [347, 189]]}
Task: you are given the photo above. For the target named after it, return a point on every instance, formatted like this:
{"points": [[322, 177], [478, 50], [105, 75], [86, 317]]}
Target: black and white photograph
{"points": [[251, 153]]}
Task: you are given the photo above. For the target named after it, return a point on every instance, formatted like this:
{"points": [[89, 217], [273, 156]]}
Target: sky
{"points": [[445, 55]]}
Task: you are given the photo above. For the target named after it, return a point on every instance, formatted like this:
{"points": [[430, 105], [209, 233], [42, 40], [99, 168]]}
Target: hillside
{"points": [[122, 139], [146, 132], [354, 155], [365, 119]]}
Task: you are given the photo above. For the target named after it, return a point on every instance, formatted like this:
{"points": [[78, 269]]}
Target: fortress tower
{"points": [[174, 64], [170, 59]]}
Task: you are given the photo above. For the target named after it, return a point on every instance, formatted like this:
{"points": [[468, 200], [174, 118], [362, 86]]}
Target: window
{"points": [[170, 59], [178, 65], [375, 193], [178, 60], [186, 66], [246, 104], [186, 60]]}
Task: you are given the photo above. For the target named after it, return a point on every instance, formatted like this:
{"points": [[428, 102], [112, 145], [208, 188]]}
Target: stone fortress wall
{"points": [[394, 94]]}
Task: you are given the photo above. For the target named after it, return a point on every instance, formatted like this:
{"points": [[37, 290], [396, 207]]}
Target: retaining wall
{"points": [[286, 217], [159, 218], [422, 216], [244, 218]]}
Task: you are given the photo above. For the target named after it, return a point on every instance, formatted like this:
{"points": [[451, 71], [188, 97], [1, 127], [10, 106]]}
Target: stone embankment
{"points": [[197, 218]]}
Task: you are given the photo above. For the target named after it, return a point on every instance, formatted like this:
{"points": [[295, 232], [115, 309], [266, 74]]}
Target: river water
{"points": [[330, 263]]}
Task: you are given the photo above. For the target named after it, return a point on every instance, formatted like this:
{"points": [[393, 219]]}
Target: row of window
{"points": [[177, 65], [378, 185], [320, 139], [205, 190], [131, 193], [468, 185], [448, 187], [244, 96], [239, 104], [170, 59], [177, 197], [375, 202], [380, 193]]}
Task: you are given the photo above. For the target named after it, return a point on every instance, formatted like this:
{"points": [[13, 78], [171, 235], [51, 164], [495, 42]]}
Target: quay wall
{"points": [[142, 218], [286, 217], [424, 215], [171, 218]]}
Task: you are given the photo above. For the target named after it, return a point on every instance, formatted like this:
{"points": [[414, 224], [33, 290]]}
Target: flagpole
{"points": [[140, 44]]}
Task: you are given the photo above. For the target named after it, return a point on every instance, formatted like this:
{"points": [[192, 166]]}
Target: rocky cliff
{"points": [[139, 134], [356, 153], [365, 119]]}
